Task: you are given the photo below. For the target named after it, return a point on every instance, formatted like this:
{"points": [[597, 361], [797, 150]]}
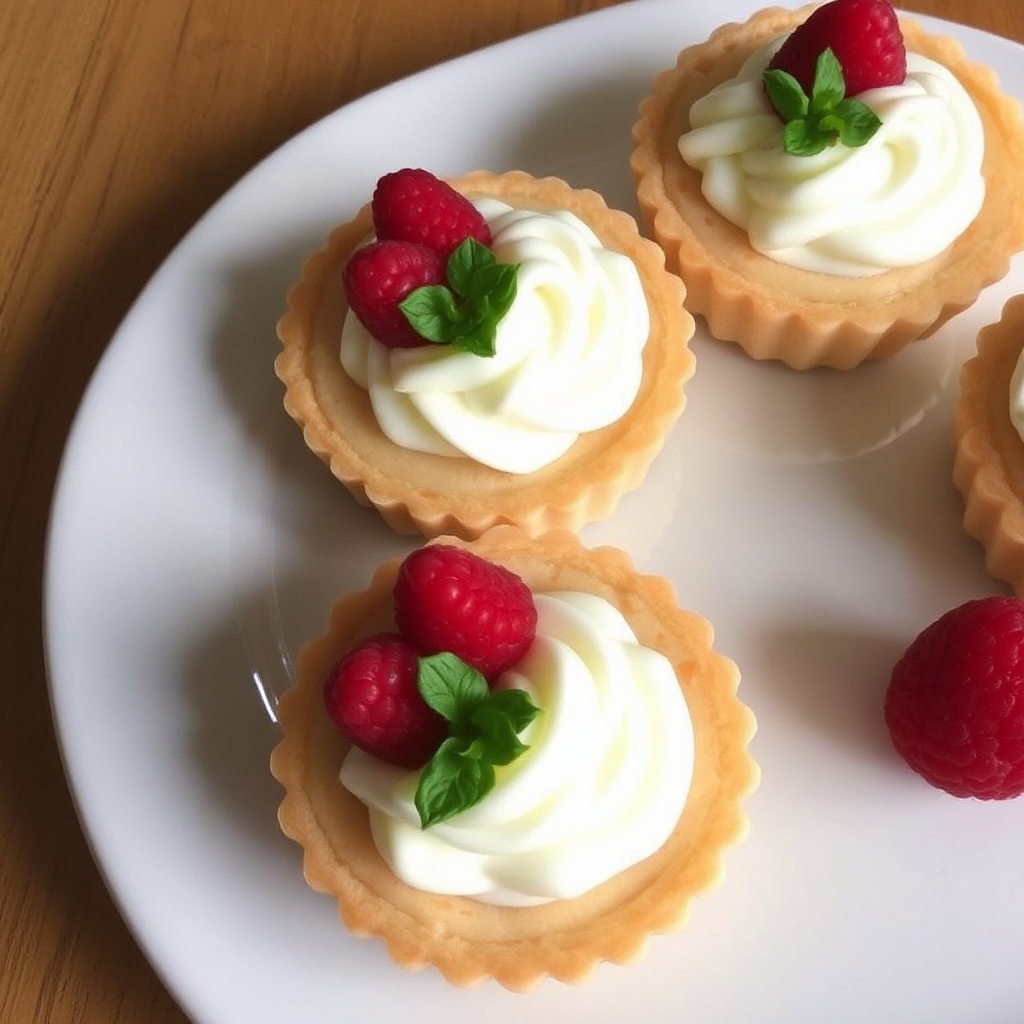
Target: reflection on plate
{"points": [[818, 415], [196, 542]]}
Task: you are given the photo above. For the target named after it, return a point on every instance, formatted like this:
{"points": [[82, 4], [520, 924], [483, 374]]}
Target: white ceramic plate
{"points": [[196, 542]]}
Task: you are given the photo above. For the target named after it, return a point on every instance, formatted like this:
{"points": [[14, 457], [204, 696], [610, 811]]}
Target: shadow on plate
{"points": [[583, 136], [831, 678]]}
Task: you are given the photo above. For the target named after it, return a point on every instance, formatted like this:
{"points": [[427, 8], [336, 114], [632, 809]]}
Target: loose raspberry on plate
{"points": [[447, 599], [412, 205], [379, 276], [864, 35], [955, 702], [371, 695]]}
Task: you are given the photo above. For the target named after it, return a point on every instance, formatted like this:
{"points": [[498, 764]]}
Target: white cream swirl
{"points": [[896, 201], [601, 787], [568, 359]]}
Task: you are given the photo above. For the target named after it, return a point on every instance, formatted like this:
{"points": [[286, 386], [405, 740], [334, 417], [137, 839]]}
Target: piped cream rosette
{"points": [[469, 939], [568, 355], [840, 263], [897, 200], [599, 789], [567, 420]]}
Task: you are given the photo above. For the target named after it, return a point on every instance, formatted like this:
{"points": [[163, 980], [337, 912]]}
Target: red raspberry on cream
{"points": [[448, 599], [371, 696], [864, 35], [379, 277], [412, 205]]}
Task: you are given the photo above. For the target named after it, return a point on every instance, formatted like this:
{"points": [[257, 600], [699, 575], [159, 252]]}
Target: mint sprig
{"points": [[465, 312], [827, 116], [483, 732]]}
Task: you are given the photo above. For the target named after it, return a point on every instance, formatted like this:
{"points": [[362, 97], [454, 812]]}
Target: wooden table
{"points": [[122, 122]]}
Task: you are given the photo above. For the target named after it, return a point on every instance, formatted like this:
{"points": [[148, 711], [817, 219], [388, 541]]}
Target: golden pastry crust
{"points": [[433, 494], [469, 941], [803, 318], [988, 467]]}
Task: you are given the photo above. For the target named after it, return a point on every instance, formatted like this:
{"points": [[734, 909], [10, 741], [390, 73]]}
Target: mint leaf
{"points": [[826, 117], [478, 338], [450, 686], [858, 122], [451, 782], [829, 85], [516, 705], [465, 262], [483, 732], [785, 93], [432, 311], [800, 140], [495, 289], [497, 738], [466, 311]]}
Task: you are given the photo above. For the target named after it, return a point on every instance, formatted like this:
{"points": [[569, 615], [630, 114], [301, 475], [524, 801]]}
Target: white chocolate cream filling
{"points": [[568, 359], [896, 201], [601, 787]]}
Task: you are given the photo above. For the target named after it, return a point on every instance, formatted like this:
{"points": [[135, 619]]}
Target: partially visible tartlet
{"points": [[803, 317], [469, 941], [434, 494], [988, 467]]}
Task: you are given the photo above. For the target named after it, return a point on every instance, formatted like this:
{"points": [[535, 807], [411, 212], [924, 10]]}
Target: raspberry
{"points": [[372, 697], [955, 703], [378, 277], [412, 205], [864, 35], [448, 599]]}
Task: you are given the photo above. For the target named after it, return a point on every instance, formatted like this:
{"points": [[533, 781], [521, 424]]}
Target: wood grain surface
{"points": [[122, 121]]}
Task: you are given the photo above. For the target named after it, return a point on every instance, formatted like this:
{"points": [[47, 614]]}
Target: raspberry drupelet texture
{"points": [[864, 35], [448, 599], [372, 697], [955, 702], [419, 221], [413, 205], [378, 277]]}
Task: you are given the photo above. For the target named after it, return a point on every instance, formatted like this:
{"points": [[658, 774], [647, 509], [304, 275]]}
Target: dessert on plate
{"points": [[518, 356], [830, 182], [988, 467], [526, 798]]}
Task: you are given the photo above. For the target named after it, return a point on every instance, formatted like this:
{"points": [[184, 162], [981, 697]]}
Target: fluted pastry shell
{"points": [[433, 494], [806, 319], [468, 941], [988, 467]]}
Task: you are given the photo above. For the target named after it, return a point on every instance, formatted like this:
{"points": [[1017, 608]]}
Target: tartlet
{"points": [[988, 466], [468, 941], [435, 494], [804, 318]]}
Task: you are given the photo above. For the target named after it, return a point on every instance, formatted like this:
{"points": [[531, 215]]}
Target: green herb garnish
{"points": [[812, 124], [465, 312], [483, 732]]}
